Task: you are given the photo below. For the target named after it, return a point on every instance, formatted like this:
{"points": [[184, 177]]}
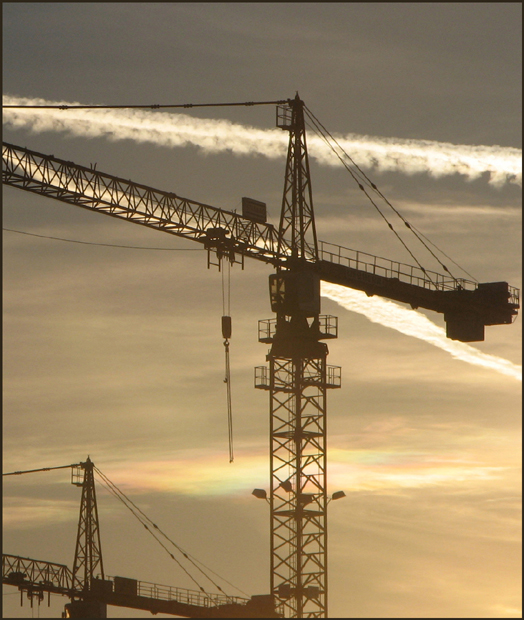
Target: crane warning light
{"points": [[254, 210]]}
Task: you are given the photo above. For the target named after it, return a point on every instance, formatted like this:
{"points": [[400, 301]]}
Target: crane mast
{"points": [[88, 551], [297, 383], [297, 221]]}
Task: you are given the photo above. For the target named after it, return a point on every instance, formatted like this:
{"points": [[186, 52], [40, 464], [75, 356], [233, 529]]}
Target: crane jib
{"points": [[467, 306], [36, 577], [141, 204]]}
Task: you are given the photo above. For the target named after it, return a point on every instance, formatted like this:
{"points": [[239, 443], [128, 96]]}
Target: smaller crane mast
{"points": [[88, 552]]}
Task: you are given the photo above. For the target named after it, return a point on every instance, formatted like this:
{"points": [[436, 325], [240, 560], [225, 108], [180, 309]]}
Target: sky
{"points": [[117, 353]]}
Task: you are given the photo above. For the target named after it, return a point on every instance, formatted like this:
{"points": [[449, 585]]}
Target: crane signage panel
{"points": [[123, 585], [254, 210]]}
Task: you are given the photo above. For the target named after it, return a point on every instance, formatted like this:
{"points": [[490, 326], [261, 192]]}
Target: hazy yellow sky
{"points": [[117, 353]]}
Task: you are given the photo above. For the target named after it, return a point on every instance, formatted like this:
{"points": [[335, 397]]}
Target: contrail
{"points": [[500, 164], [415, 324]]}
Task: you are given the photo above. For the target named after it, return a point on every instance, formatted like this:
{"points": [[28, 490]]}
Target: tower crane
{"points": [[297, 376], [91, 591]]}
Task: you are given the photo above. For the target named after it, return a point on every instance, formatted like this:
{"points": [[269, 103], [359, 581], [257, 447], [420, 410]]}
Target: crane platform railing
{"points": [[377, 265], [327, 328], [170, 593]]}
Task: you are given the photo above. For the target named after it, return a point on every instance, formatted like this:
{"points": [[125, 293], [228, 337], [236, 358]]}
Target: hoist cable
{"points": [[415, 232], [227, 381], [108, 484], [442, 251], [370, 183], [120, 495], [226, 333], [128, 503], [229, 288], [226, 290], [413, 229], [223, 293], [136, 511], [362, 188]]}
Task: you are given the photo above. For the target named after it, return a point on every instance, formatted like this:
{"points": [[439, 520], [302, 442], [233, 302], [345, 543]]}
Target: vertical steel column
{"points": [[297, 385], [297, 375], [88, 552]]}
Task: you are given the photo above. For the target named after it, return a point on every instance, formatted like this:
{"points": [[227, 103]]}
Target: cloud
{"points": [[501, 164], [417, 325], [24, 513], [197, 473]]}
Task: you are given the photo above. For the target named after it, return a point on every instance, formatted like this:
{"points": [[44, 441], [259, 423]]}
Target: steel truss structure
{"points": [[97, 191], [467, 306], [297, 221], [88, 552], [298, 384]]}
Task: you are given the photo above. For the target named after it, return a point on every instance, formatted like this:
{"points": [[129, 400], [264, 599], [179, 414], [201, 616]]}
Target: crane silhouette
{"points": [[91, 591], [297, 376]]}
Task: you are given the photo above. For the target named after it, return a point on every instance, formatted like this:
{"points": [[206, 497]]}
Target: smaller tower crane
{"points": [[91, 591]]}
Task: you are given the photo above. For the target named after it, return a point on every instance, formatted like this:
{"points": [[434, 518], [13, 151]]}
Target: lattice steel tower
{"points": [[88, 551], [298, 379]]}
